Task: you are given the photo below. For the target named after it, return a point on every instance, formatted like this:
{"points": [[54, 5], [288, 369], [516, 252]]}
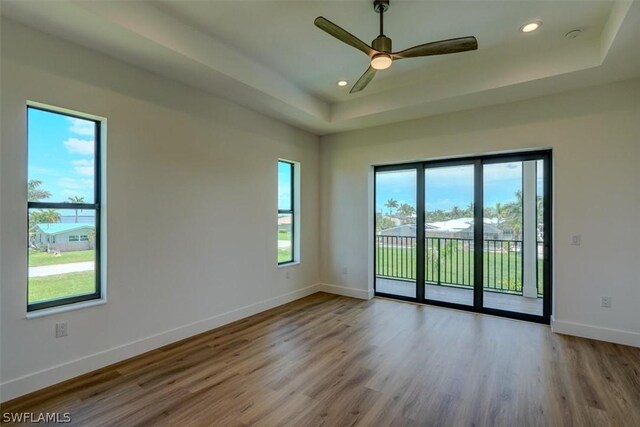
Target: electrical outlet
{"points": [[287, 275], [61, 329], [605, 302], [344, 270], [576, 240]]}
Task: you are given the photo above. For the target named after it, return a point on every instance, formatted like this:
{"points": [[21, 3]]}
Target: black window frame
{"points": [[96, 206], [291, 211]]}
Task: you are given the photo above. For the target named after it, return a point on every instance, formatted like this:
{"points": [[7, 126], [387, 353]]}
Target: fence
{"points": [[450, 262]]}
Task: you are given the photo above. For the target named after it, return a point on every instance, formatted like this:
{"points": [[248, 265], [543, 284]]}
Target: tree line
{"points": [[508, 215]]}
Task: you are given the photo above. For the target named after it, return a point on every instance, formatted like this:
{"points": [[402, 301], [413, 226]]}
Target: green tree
{"points": [[437, 215], [499, 213], [383, 222], [512, 216], [43, 216], [34, 191], [77, 199], [406, 211], [391, 204], [468, 212]]}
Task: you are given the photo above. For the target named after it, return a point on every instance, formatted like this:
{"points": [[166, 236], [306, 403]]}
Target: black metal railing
{"points": [[450, 261]]}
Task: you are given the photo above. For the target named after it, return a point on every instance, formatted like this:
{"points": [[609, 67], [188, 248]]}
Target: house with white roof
{"points": [[65, 237]]}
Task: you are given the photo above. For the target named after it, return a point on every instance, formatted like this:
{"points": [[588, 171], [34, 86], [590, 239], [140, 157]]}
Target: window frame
{"points": [[96, 206], [292, 211]]}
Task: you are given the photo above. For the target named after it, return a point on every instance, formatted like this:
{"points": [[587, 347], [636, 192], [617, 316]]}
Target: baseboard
{"points": [[596, 332], [50, 376], [346, 291]]}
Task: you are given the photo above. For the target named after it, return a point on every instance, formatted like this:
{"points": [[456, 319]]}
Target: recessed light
{"points": [[342, 83], [531, 26]]}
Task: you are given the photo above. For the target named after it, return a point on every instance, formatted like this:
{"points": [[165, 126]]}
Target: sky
{"points": [[446, 187], [284, 185], [61, 155]]}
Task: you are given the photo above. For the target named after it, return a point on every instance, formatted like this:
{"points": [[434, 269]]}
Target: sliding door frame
{"points": [[417, 166], [478, 162]]}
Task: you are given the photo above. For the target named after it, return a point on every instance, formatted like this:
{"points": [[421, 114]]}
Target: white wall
{"points": [[191, 199], [595, 137]]}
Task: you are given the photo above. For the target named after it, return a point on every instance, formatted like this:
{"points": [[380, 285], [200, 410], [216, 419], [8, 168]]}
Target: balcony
{"points": [[449, 271]]}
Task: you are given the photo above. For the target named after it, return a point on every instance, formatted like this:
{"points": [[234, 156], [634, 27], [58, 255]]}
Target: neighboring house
{"points": [[65, 237], [406, 230], [461, 228]]}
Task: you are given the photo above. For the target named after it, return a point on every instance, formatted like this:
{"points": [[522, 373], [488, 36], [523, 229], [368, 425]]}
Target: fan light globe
{"points": [[381, 62]]}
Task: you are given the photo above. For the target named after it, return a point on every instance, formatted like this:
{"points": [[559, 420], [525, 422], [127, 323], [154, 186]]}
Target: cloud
{"points": [[38, 170], [83, 167], [75, 184], [79, 146], [81, 127]]}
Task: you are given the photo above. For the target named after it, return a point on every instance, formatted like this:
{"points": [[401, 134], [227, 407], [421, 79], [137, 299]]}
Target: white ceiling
{"points": [[269, 56]]}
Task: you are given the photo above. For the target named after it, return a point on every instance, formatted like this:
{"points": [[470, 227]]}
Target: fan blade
{"points": [[442, 47], [343, 35], [364, 80]]}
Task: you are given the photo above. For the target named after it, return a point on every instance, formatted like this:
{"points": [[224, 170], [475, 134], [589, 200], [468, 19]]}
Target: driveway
{"points": [[50, 270]]}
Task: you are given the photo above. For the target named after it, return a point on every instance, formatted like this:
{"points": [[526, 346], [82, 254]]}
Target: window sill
{"points": [[65, 308], [289, 264]]}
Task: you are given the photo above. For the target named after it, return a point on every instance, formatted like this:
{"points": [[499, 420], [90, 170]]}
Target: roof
{"points": [[284, 219], [57, 228]]}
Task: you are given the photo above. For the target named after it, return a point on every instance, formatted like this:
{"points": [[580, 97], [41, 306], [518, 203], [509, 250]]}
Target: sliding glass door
{"points": [[513, 238], [449, 230], [469, 233], [396, 232]]}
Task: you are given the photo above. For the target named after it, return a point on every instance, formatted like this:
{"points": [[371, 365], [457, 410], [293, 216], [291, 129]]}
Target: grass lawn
{"points": [[499, 269], [284, 254], [37, 258], [61, 285], [284, 235]]}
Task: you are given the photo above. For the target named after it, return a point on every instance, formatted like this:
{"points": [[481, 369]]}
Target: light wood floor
{"points": [[336, 361]]}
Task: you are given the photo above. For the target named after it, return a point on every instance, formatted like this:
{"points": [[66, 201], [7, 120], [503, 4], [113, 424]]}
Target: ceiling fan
{"points": [[380, 50]]}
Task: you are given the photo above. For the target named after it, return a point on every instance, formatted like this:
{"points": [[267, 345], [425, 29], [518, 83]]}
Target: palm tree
{"points": [[406, 210], [391, 204], [77, 199], [513, 215], [34, 192]]}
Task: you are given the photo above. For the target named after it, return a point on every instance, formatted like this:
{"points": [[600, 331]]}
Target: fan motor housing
{"points": [[382, 44]]}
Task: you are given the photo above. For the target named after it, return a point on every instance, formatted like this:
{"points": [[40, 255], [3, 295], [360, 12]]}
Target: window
{"points": [[64, 195], [286, 212]]}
